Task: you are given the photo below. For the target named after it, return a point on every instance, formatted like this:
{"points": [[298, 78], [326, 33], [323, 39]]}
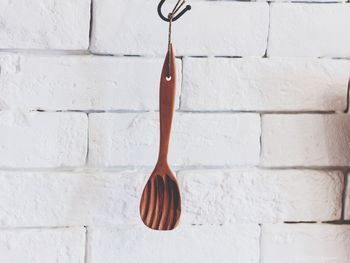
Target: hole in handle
{"points": [[168, 78]]}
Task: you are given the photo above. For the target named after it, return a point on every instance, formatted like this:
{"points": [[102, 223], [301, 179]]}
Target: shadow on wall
{"points": [[336, 155], [336, 138]]}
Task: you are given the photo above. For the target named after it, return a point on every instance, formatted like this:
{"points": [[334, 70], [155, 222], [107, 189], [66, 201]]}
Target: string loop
{"points": [[171, 17]]}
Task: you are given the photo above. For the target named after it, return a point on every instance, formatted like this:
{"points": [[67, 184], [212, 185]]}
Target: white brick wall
{"points": [[259, 84], [69, 198], [306, 140], [132, 139], [44, 24], [79, 82], [309, 30], [209, 197], [237, 243], [42, 139], [50, 245], [253, 196], [213, 28], [296, 243], [260, 141]]}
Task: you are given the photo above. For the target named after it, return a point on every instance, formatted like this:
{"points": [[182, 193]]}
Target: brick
{"points": [[260, 196], [185, 244], [237, 28], [198, 139], [42, 139], [44, 24], [305, 140], [42, 245], [32, 199], [306, 30], [305, 243], [255, 84], [80, 82]]}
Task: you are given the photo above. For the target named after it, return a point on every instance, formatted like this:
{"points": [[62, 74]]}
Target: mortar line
{"points": [[315, 2], [260, 139], [261, 224], [260, 243], [124, 168], [268, 31], [344, 196], [262, 112], [121, 111], [87, 140], [88, 52], [348, 98], [12, 228], [86, 252], [90, 23], [299, 222], [47, 52]]}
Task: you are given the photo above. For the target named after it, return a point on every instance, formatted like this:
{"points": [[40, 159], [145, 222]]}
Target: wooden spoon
{"points": [[160, 205]]}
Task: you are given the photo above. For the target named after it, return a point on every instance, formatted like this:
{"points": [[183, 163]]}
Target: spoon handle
{"points": [[166, 104]]}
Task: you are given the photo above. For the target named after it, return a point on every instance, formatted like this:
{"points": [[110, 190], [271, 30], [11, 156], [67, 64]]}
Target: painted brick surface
{"points": [[238, 196], [305, 243], [42, 139], [30, 199], [305, 30], [80, 82], [209, 197], [198, 139], [42, 245], [236, 28], [305, 140], [255, 84], [239, 243], [44, 24], [260, 140]]}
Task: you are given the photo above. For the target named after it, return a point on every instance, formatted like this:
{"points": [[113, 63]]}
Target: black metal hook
{"points": [[187, 8]]}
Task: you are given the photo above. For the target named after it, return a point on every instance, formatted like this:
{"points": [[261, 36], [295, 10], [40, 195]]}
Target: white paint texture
{"points": [[132, 139], [306, 140], [70, 199], [212, 28], [305, 243], [42, 245], [209, 197], [260, 141], [238, 243], [79, 82], [44, 24], [42, 139], [256, 84], [309, 30], [238, 196]]}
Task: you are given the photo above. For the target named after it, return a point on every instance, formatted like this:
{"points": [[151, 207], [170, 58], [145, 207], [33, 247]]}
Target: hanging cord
{"points": [[171, 16]]}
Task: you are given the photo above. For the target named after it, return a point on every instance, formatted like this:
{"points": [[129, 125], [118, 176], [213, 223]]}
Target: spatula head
{"points": [[160, 206]]}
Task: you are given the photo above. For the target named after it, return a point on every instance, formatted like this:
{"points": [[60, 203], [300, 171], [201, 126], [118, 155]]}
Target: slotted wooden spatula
{"points": [[160, 205]]}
